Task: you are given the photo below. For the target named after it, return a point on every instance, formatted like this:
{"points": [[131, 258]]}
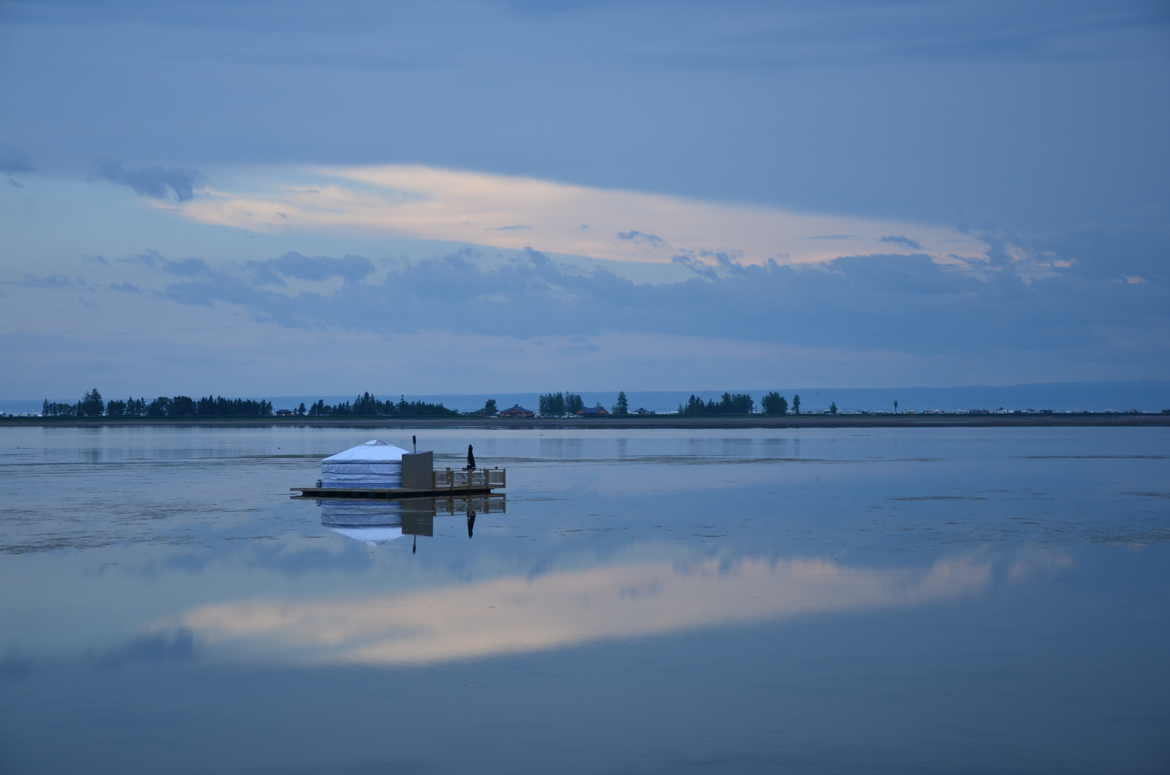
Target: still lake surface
{"points": [[660, 601]]}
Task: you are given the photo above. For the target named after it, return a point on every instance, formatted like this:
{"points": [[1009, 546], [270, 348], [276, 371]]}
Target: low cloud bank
{"points": [[888, 302], [155, 182]]}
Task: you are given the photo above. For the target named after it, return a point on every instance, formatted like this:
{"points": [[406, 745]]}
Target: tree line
{"points": [[741, 403], [179, 407], [738, 403], [368, 405], [93, 405], [558, 404]]}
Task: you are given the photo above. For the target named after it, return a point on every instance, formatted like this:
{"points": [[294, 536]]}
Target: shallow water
{"points": [[890, 600]]}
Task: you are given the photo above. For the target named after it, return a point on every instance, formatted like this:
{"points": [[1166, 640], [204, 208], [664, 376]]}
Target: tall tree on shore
{"points": [[796, 404], [573, 403], [833, 408], [552, 404], [775, 404], [622, 407], [92, 404]]}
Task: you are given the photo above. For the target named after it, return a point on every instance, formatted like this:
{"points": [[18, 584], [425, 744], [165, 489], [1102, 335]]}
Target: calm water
{"points": [[813, 601]]}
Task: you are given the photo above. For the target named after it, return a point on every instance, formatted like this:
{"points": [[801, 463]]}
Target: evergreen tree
{"points": [[738, 403], [622, 407], [573, 403], [91, 405], [552, 405], [775, 404], [796, 404], [181, 406], [833, 408], [158, 407]]}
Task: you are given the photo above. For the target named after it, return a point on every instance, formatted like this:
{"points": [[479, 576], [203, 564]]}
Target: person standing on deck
{"points": [[470, 458]]}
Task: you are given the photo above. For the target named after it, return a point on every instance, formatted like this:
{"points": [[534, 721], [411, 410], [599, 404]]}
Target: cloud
{"points": [[907, 303], [185, 267], [898, 239], [331, 60], [580, 345], [48, 281], [796, 140], [156, 182], [295, 265], [177, 645], [188, 267], [466, 207], [14, 161], [643, 237], [698, 267]]}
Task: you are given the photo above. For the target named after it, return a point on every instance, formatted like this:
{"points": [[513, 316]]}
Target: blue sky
{"points": [[274, 197]]}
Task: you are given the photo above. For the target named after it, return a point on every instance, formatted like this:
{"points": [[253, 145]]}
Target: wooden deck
{"points": [[441, 481], [391, 492]]}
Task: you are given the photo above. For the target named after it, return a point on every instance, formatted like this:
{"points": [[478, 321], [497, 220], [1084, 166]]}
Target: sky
{"points": [[258, 197]]}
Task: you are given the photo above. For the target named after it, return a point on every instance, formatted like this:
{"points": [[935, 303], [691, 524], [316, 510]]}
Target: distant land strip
{"points": [[1088, 419]]}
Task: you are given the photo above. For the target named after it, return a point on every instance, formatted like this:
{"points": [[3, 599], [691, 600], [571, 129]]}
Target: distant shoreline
{"points": [[632, 423]]}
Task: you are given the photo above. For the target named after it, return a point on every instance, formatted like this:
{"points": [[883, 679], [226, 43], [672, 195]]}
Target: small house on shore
{"points": [[593, 411], [517, 411]]}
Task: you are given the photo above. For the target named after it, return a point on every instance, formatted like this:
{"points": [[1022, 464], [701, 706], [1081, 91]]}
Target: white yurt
{"points": [[375, 464]]}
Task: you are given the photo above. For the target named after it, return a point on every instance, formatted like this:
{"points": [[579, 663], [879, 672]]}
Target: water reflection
{"points": [[513, 614], [382, 521]]}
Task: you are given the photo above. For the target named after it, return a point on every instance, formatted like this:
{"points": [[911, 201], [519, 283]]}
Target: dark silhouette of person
{"points": [[414, 545], [470, 521], [470, 458]]}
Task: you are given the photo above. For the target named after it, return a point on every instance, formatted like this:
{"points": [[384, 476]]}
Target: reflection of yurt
{"points": [[370, 535], [375, 464], [362, 520], [360, 512]]}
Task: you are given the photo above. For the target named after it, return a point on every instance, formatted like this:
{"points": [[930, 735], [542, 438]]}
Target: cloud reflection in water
{"points": [[518, 614]]}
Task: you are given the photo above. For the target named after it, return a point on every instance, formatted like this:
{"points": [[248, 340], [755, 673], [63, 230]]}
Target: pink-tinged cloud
{"points": [[478, 208]]}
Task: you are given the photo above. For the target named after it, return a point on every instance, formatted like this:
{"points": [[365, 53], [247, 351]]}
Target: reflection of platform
{"points": [[389, 493], [378, 522]]}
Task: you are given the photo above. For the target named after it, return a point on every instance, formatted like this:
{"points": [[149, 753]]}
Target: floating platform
{"points": [[391, 492], [422, 482]]}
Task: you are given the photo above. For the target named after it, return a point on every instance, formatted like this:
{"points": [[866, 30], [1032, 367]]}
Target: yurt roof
{"points": [[372, 451]]}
